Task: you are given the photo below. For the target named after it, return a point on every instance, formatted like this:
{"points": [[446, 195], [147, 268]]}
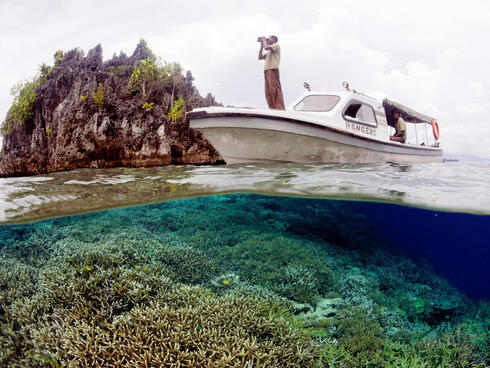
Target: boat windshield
{"points": [[317, 103]]}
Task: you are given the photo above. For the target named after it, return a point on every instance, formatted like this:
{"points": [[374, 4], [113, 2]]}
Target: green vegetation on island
{"points": [[148, 73], [24, 94]]}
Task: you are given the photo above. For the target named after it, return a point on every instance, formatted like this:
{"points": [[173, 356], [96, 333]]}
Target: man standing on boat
{"points": [[400, 128], [273, 90]]}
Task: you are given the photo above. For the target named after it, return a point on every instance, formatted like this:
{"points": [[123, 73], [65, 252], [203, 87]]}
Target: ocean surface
{"points": [[247, 266]]}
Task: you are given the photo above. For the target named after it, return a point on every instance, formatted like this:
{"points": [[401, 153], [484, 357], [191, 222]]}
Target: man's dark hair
{"points": [[396, 112], [275, 38]]}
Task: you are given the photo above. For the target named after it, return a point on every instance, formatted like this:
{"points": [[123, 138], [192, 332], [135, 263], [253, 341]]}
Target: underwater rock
{"points": [[324, 310], [301, 308], [447, 303]]}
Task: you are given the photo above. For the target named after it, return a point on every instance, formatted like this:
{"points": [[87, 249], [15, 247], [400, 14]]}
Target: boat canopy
{"points": [[407, 113]]}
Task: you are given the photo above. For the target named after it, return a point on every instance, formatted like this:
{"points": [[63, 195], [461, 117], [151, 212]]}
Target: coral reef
{"points": [[95, 308], [227, 281]]}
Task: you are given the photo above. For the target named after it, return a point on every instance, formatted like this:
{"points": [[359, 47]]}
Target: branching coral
{"points": [[184, 325], [299, 283], [362, 337], [17, 280], [186, 264], [290, 267]]}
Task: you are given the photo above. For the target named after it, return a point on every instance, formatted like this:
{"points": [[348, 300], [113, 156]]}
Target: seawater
{"points": [[247, 266]]}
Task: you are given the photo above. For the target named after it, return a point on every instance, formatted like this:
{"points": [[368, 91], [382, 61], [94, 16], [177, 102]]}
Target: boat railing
{"points": [[420, 134]]}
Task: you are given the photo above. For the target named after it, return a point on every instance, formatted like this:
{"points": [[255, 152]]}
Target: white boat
{"points": [[319, 127]]}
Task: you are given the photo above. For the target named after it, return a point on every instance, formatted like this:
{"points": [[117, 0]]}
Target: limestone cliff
{"points": [[69, 128]]}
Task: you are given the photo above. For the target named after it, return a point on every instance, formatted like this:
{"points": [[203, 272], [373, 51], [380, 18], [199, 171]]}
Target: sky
{"points": [[430, 55]]}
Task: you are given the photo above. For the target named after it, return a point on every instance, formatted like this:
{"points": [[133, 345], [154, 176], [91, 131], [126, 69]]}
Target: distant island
{"points": [[84, 112]]}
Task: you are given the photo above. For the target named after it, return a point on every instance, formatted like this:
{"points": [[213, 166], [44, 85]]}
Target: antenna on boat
{"points": [[307, 86]]}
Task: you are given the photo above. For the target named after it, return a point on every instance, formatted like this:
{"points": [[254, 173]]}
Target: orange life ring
{"points": [[435, 129]]}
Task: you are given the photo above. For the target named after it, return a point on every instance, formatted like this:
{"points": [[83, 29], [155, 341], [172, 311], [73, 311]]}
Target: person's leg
{"points": [[268, 81], [277, 96]]}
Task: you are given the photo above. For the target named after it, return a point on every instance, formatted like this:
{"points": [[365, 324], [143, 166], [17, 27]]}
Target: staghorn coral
{"points": [[461, 346], [116, 244], [299, 283], [185, 264], [186, 326], [17, 280], [288, 266], [362, 337], [17, 287], [355, 287]]}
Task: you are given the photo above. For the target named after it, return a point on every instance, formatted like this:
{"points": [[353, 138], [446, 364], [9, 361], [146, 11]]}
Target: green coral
{"points": [[185, 264], [419, 306], [48, 359]]}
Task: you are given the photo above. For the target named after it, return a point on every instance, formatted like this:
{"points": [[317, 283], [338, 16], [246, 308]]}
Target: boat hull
{"points": [[246, 139]]}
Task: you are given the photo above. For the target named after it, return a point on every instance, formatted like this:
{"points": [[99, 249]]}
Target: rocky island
{"points": [[84, 112]]}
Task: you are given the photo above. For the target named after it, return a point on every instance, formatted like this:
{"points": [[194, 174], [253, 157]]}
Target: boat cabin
{"points": [[362, 114]]}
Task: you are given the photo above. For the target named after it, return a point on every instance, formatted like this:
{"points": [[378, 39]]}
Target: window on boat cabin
{"points": [[317, 103], [361, 112]]}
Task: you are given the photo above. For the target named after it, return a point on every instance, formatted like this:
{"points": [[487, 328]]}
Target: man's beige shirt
{"points": [[400, 126], [273, 57]]}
